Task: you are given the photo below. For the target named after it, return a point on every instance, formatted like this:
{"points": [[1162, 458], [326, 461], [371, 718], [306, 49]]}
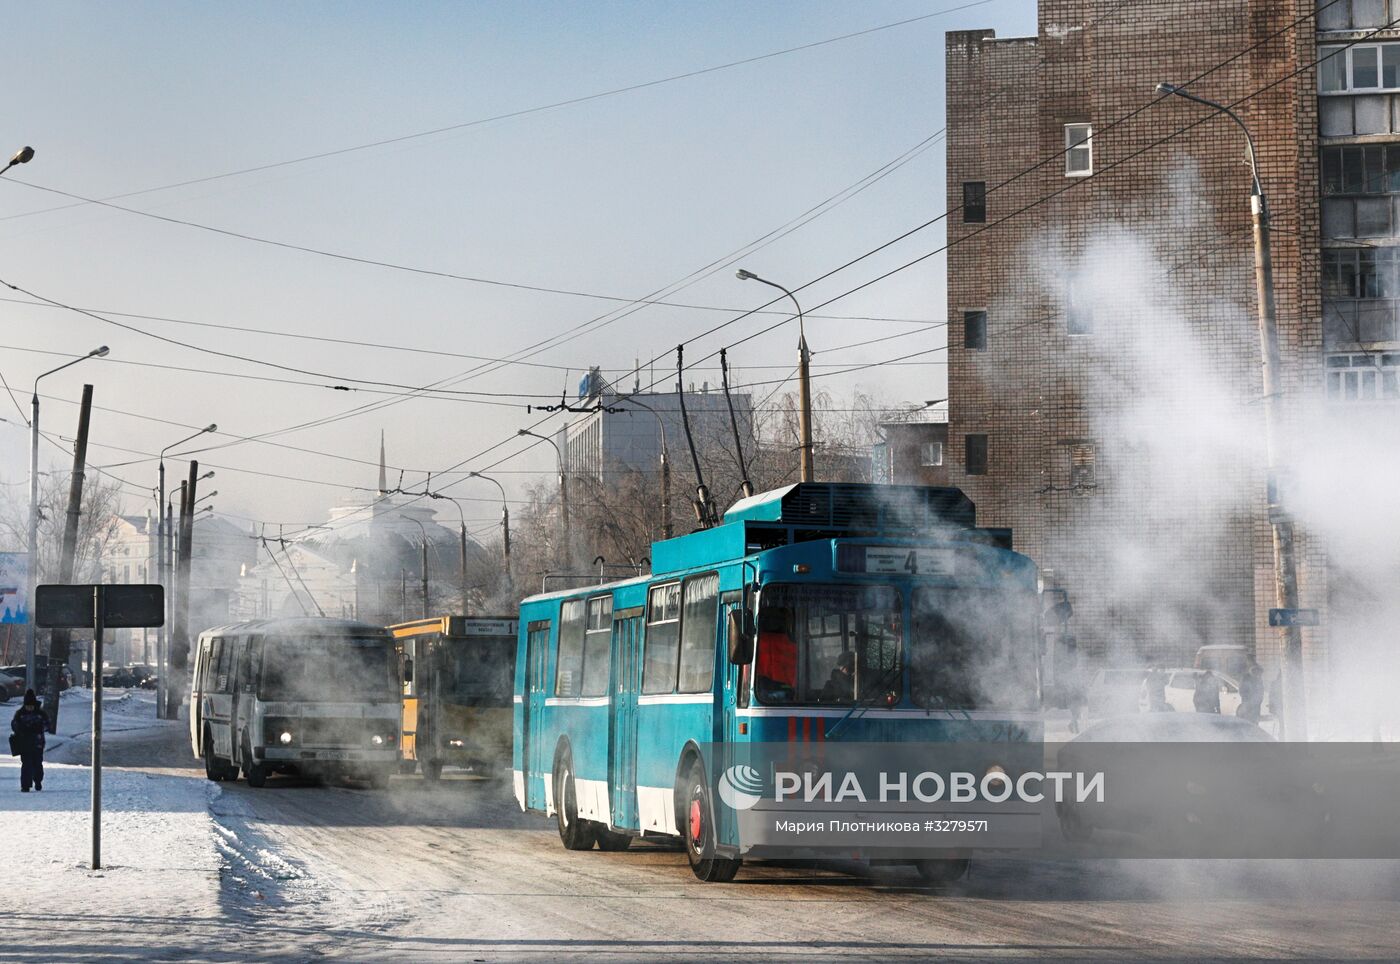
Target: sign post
{"points": [[96, 607]]}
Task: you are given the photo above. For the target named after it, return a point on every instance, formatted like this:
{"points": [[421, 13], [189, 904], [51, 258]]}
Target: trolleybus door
{"points": [[532, 754], [622, 744]]}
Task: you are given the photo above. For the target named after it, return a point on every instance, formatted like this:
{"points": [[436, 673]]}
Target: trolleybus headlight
{"points": [[285, 737]]}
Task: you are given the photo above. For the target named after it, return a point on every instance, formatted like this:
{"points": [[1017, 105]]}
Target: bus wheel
{"points": [[699, 832], [254, 773], [575, 833], [612, 840], [432, 770], [942, 871], [214, 768]]}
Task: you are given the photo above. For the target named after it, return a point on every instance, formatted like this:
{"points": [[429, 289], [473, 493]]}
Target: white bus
{"points": [[317, 697]]}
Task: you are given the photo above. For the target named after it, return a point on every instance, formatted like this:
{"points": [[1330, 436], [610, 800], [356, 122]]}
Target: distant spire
{"points": [[383, 469]]}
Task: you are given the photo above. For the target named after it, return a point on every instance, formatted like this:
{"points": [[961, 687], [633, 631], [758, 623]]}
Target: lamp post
{"points": [[665, 469], [422, 529], [462, 562], [22, 156], [563, 493], [505, 521], [164, 567], [804, 375], [1285, 561], [33, 581]]}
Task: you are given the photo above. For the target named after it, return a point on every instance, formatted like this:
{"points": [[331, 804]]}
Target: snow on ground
{"points": [[122, 711]]}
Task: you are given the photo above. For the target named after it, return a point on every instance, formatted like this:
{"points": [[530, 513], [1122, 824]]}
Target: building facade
{"points": [[1104, 355], [913, 449]]}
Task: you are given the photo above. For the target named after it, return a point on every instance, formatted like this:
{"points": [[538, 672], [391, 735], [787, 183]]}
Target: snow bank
{"points": [[157, 848]]}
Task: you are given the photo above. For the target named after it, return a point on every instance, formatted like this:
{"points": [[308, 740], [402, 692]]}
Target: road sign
{"points": [[124, 607], [1292, 617]]}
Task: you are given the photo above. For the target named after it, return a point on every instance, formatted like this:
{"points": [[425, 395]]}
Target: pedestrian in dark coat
{"points": [[29, 726], [1207, 695]]}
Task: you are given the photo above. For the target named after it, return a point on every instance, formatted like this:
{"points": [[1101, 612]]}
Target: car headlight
{"points": [[285, 737]]}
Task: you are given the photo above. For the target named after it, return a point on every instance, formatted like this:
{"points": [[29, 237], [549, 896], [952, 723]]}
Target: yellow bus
{"points": [[458, 680]]}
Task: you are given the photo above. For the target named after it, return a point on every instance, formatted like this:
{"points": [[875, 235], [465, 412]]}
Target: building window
{"points": [[1363, 377], [1079, 313], [976, 447], [975, 330], [1356, 14], [931, 454], [1364, 67], [1082, 473], [1079, 150], [974, 202], [1361, 169]]}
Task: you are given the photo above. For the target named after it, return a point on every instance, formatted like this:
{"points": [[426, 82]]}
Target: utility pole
{"points": [[1295, 725], [665, 469], [61, 640], [505, 519], [466, 601], [180, 643], [804, 379], [567, 559]]}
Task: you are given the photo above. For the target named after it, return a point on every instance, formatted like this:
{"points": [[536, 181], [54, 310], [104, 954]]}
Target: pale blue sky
{"points": [[620, 196]]}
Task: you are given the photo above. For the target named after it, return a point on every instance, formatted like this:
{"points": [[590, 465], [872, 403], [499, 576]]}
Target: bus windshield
{"points": [[479, 672], [973, 648], [338, 669], [828, 643]]}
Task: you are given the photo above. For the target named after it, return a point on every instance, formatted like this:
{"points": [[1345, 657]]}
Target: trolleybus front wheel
{"points": [[699, 831], [576, 834], [942, 871]]}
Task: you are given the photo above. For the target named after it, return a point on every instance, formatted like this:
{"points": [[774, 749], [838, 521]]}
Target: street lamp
{"points": [[425, 559], [1285, 563], [563, 491], [207, 495], [665, 469], [505, 520], [463, 560], [164, 565], [804, 375], [33, 581], [22, 156]]}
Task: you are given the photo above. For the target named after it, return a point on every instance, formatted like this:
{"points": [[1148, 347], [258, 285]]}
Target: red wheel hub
{"points": [[697, 825]]}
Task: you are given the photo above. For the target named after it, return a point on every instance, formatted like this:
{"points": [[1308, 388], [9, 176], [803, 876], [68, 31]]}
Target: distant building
{"points": [[365, 562], [912, 452], [626, 433]]}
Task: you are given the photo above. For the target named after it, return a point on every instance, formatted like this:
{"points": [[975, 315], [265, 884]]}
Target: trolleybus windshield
{"points": [[343, 669], [479, 672], [828, 643], [973, 648]]}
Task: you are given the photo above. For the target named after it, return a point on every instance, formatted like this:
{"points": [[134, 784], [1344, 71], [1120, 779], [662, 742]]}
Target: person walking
{"points": [[29, 725], [1251, 693], [1207, 695]]}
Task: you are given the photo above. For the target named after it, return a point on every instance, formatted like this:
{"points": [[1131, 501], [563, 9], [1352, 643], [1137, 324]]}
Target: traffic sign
{"points": [[1292, 617], [124, 607]]}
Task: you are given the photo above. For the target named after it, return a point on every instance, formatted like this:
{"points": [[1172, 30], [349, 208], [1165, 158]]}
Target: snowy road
{"points": [[455, 872]]}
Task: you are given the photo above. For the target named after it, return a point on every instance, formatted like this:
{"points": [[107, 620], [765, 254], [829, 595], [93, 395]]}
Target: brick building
{"points": [[1104, 359], [911, 450]]}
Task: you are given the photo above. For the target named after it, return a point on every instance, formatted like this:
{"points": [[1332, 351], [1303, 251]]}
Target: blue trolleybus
{"points": [[820, 611]]}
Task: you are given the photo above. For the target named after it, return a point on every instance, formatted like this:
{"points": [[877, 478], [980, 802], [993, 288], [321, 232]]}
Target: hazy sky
{"points": [[618, 196]]}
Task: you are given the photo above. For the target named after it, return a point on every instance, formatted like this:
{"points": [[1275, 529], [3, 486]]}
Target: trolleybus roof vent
{"points": [[867, 508]]}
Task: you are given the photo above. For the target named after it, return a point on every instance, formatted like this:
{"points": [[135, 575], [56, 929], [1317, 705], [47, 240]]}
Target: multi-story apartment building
{"points": [[1104, 356]]}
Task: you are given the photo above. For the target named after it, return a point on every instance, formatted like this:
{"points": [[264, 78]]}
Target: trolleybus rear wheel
{"points": [[699, 831], [576, 834], [612, 840]]}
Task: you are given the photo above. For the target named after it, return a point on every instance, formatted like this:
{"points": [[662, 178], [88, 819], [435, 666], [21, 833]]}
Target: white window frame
{"points": [[1349, 69], [1074, 143], [930, 454], [1362, 379]]}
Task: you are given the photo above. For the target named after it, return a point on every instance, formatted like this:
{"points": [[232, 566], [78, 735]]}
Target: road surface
{"points": [[455, 872]]}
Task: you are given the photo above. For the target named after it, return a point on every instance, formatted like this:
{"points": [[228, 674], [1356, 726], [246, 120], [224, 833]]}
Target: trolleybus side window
{"points": [[568, 670], [697, 664], [662, 639], [537, 651], [597, 646]]}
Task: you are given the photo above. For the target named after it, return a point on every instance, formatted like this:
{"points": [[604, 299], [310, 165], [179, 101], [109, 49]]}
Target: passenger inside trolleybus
{"points": [[812, 640]]}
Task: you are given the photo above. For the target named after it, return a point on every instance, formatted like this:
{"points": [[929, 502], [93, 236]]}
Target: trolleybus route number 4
{"points": [[915, 561]]}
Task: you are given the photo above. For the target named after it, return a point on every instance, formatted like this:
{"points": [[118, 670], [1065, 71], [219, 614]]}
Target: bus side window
{"points": [[253, 681], [568, 670], [201, 666], [211, 678], [661, 651], [245, 665], [698, 633]]}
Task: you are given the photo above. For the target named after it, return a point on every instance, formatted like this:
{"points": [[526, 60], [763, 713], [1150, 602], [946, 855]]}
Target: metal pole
{"points": [[1294, 725], [33, 574], [665, 469], [425, 576], [804, 378], [60, 640], [164, 581], [465, 601], [97, 627]]}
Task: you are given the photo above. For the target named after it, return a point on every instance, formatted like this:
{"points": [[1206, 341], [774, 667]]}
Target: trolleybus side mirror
{"points": [[740, 636], [408, 671]]}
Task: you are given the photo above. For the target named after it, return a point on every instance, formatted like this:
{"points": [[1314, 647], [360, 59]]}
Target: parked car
{"points": [[1227, 659], [1181, 690], [65, 674], [10, 686], [1116, 692]]}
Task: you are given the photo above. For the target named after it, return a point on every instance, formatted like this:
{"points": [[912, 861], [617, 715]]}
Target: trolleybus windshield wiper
{"points": [[867, 701]]}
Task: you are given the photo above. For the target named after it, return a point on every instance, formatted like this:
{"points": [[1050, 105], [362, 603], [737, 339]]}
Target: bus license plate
{"points": [[897, 560], [341, 755]]}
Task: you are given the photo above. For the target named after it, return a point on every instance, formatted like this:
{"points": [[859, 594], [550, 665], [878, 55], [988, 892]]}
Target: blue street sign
{"points": [[1292, 617]]}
